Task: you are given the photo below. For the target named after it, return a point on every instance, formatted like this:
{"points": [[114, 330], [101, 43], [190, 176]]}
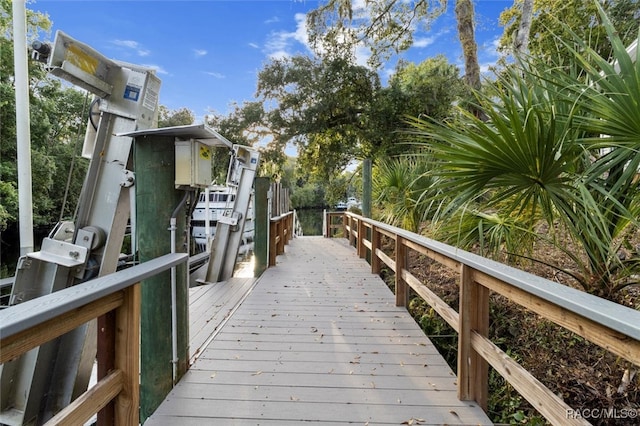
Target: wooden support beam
{"points": [[375, 245], [106, 360], [473, 370], [127, 357], [19, 343], [605, 337], [83, 408], [273, 243], [541, 398], [352, 232], [402, 289], [362, 252], [445, 311]]}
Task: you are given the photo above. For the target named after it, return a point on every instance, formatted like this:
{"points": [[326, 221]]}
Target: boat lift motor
{"points": [[37, 385]]}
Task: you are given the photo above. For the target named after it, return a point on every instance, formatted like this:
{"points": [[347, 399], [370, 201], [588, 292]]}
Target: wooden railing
{"points": [[605, 323], [30, 324], [280, 233]]}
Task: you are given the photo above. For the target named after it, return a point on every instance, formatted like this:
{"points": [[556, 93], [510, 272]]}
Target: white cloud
{"points": [[158, 69], [362, 55], [272, 20], [254, 45], [132, 45], [282, 44], [127, 43], [215, 74], [424, 41], [199, 52], [489, 54]]}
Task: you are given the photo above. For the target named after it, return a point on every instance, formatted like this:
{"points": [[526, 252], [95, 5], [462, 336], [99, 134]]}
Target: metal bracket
{"points": [[61, 253]]}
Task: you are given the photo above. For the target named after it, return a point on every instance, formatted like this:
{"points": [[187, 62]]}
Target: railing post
{"points": [[281, 236], [402, 289], [106, 359], [273, 236], [345, 220], [362, 249], [326, 222], [287, 229], [352, 234], [473, 370], [375, 244], [127, 357]]}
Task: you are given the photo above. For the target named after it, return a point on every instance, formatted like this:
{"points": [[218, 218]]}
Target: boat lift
{"points": [[37, 385], [46, 379]]}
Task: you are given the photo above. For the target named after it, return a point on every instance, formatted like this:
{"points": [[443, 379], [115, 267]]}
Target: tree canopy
{"points": [[56, 127], [318, 106], [556, 20], [383, 26]]}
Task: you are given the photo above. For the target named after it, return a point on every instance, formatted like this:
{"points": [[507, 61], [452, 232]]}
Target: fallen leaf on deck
{"points": [[413, 421]]}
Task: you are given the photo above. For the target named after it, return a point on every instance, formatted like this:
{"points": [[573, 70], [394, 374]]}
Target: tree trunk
{"points": [[521, 44], [464, 15]]}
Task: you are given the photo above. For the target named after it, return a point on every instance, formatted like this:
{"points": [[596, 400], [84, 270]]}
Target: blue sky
{"points": [[208, 53]]}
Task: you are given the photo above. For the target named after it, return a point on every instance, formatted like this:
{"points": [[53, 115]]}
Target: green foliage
{"points": [[179, 117], [399, 191], [9, 196], [539, 155], [335, 112], [239, 127], [57, 122], [384, 26], [308, 195], [555, 20], [429, 88], [318, 107]]}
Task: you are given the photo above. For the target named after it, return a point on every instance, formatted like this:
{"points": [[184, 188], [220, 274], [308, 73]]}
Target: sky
{"points": [[208, 53]]}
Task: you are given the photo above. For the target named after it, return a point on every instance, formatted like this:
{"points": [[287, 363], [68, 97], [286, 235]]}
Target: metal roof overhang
{"points": [[199, 132]]}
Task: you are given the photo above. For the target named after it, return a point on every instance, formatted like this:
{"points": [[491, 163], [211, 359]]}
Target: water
{"points": [[311, 221]]}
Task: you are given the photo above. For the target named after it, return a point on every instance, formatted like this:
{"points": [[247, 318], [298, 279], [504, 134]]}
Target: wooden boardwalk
{"points": [[317, 340], [209, 307]]}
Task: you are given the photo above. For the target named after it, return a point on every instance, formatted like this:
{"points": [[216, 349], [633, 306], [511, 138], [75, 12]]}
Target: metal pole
{"points": [[23, 134]]}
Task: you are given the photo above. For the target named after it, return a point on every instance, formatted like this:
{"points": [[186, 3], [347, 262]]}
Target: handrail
{"points": [[30, 324], [281, 230], [610, 325]]}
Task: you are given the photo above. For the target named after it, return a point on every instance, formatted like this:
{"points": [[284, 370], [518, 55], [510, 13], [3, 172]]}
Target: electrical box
{"points": [[193, 164]]}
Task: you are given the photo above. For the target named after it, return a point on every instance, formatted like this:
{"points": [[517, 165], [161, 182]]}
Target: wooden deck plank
{"points": [[292, 410], [209, 306], [328, 382], [410, 358], [318, 339]]}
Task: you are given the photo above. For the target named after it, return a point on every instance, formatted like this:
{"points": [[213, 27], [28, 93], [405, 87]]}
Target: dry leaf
{"points": [[413, 421]]}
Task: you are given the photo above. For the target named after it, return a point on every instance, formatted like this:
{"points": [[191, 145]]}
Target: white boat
{"points": [[351, 202], [221, 200]]}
